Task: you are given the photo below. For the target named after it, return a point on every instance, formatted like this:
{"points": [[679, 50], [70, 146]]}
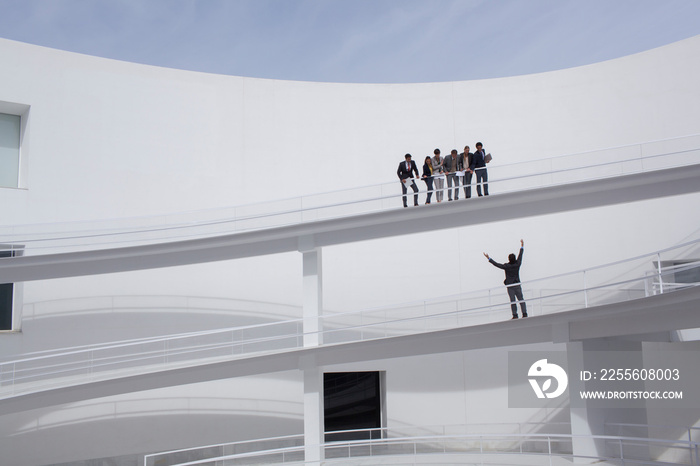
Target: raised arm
{"points": [[496, 264], [520, 254]]}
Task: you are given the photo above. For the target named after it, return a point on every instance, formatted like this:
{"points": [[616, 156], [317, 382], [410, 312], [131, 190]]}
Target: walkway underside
{"points": [[660, 313], [499, 207]]}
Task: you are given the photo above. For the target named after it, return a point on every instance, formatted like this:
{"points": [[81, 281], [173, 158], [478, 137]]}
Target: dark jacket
{"points": [[466, 159], [407, 173], [478, 160], [427, 170], [512, 269]]}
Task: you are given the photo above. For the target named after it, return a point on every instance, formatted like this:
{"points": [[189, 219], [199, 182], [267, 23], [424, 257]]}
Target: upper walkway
{"points": [[578, 181]]}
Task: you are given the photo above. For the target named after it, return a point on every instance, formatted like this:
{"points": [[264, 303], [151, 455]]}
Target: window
{"points": [[352, 400], [10, 293], [9, 150], [7, 291]]}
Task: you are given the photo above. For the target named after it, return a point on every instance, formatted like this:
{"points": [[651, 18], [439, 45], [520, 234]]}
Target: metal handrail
{"points": [[69, 366], [189, 229], [477, 443]]}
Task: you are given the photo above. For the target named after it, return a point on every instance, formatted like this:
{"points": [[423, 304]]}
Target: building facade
{"points": [[92, 145]]}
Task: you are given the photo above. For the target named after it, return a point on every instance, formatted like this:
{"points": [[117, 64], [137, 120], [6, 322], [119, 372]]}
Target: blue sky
{"points": [[354, 40]]}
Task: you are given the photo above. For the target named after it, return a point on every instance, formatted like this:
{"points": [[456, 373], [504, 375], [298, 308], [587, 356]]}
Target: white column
{"points": [[590, 419], [312, 307], [584, 422], [312, 310], [313, 415]]}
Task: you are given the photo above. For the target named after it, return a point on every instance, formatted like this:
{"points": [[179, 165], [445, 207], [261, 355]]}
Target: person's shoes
{"points": [[415, 205], [524, 315], [514, 317], [427, 203], [405, 206]]}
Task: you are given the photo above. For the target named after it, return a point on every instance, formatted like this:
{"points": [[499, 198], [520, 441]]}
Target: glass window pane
{"points": [[6, 299], [9, 150]]}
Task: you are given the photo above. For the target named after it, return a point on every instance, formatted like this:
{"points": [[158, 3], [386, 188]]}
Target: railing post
{"points": [[646, 288], [233, 342], [622, 453], [661, 280], [549, 448], [690, 444], [697, 460], [585, 291]]}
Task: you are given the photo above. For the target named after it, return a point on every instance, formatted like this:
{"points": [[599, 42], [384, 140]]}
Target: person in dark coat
{"points": [[512, 281], [478, 166], [405, 173], [428, 177]]}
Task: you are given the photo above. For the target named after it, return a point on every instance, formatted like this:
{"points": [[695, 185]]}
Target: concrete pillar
{"points": [[312, 307], [313, 415], [588, 419], [312, 310], [584, 421]]}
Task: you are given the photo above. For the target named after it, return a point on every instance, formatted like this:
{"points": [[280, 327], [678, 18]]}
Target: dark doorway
{"points": [[6, 299], [352, 400]]}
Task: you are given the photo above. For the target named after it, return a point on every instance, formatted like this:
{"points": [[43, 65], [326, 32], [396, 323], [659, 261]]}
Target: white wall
{"points": [[246, 408], [112, 139], [106, 139]]}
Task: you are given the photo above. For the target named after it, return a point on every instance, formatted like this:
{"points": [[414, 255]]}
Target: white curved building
{"points": [[90, 146]]}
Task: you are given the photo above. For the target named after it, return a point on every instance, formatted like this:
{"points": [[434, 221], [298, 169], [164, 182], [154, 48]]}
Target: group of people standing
{"points": [[455, 169], [452, 168]]}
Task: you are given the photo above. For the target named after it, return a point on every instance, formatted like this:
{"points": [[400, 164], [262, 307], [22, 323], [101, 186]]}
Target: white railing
{"points": [[674, 432], [389, 446], [616, 282], [153, 304], [533, 174]]}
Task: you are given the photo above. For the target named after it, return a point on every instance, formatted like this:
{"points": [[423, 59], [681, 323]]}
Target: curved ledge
{"points": [[665, 312], [572, 196]]}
